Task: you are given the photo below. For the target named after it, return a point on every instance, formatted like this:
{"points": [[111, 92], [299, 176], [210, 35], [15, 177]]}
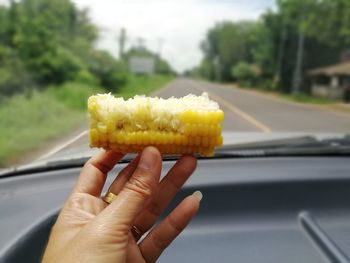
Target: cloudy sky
{"points": [[173, 27]]}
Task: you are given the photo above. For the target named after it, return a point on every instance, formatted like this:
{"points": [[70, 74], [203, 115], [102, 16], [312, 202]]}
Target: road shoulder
{"points": [[338, 107]]}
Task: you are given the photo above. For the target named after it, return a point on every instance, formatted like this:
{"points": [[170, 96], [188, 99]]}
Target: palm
{"points": [[86, 219], [83, 209]]}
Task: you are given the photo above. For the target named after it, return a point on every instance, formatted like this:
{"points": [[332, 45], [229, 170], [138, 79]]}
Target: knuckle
{"points": [[174, 225], [155, 209], [140, 187], [109, 235], [159, 242], [102, 167], [75, 201]]}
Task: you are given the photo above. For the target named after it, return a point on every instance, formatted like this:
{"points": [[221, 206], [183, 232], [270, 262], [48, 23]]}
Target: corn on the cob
{"points": [[191, 124]]}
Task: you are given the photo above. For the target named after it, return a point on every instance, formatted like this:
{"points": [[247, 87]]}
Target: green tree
{"points": [[245, 73], [207, 69], [300, 18], [53, 42], [13, 75], [225, 45], [110, 72], [47, 36], [299, 35], [327, 21]]}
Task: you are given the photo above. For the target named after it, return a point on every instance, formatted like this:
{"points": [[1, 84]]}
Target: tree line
{"points": [[52, 42], [276, 51]]}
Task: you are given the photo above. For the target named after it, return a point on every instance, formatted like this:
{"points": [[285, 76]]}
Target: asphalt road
{"points": [[248, 111], [245, 111]]}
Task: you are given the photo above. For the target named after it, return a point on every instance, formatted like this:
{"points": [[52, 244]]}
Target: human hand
{"points": [[89, 230]]}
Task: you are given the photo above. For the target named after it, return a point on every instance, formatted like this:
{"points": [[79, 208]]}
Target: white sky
{"points": [[174, 27], [180, 25]]}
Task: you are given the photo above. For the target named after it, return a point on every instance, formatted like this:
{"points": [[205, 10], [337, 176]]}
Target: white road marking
{"points": [[67, 143], [158, 91], [293, 103], [62, 146], [247, 117]]}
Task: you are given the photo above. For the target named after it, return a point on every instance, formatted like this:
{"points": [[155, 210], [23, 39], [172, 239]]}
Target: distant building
{"points": [[332, 82], [142, 65]]}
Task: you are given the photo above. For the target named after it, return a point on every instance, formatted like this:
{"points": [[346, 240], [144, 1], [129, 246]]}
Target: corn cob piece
{"points": [[188, 125]]}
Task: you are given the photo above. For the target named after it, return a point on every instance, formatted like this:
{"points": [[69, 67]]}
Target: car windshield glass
{"points": [[279, 69]]}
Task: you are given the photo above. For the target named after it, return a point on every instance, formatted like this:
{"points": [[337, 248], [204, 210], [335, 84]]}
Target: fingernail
{"points": [[147, 159], [198, 195]]}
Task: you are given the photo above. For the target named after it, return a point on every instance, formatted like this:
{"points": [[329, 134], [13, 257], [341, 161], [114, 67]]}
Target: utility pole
{"points": [[297, 78], [122, 40], [281, 54], [160, 47], [217, 66], [140, 43]]}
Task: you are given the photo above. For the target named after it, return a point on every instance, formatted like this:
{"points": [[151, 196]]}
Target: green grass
{"points": [[304, 98], [143, 85], [73, 95], [29, 122], [301, 98], [26, 123]]}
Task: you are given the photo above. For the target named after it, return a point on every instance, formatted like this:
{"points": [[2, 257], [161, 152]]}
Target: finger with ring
{"points": [[109, 197], [136, 232]]}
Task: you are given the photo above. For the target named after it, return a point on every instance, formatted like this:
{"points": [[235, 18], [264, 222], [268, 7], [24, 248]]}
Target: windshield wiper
{"points": [[297, 146], [44, 166], [60, 164]]}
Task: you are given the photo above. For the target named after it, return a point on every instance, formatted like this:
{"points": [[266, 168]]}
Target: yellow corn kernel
{"points": [[112, 137], [93, 136], [191, 131], [110, 126], [102, 128]]}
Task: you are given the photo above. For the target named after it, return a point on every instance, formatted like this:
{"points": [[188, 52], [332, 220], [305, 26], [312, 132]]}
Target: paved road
{"points": [[251, 111], [245, 111]]}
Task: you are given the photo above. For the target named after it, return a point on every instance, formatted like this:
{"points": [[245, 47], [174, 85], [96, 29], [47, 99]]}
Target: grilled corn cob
{"points": [[188, 125]]}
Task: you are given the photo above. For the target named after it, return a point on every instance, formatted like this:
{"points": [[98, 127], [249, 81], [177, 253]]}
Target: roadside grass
{"points": [[300, 98], [143, 85], [28, 122], [73, 95], [304, 98]]}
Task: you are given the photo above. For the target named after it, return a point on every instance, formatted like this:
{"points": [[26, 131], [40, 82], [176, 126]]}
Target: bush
{"points": [[245, 73], [115, 77], [111, 73], [56, 66], [86, 77], [73, 95], [13, 76]]}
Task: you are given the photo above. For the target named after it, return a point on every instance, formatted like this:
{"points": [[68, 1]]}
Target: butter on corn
{"points": [[187, 125]]}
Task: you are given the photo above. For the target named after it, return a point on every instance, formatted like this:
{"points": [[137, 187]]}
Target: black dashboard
{"points": [[286, 209]]}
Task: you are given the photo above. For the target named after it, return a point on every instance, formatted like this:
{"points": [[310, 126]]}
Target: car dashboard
{"points": [[263, 209]]}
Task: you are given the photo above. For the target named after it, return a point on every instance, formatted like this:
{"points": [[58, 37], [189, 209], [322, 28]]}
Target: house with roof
{"points": [[331, 82]]}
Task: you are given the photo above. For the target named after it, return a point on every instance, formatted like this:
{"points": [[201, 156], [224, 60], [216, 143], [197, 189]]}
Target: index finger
{"points": [[135, 193], [94, 173]]}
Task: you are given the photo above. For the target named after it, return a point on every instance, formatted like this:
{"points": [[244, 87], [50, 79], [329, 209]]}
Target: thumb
{"points": [[132, 198]]}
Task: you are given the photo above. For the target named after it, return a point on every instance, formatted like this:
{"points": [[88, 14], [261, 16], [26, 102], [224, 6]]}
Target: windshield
{"points": [[276, 68]]}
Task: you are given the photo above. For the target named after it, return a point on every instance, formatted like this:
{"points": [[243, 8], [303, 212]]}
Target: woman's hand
{"points": [[89, 230]]}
